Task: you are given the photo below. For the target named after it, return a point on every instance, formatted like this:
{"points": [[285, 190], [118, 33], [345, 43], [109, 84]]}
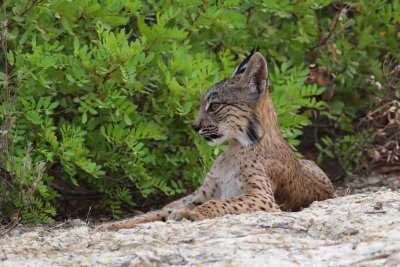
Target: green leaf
{"points": [[127, 120], [76, 43], [34, 117], [53, 105], [187, 107], [23, 38], [74, 181], [337, 107], [84, 117], [10, 57], [66, 25]]}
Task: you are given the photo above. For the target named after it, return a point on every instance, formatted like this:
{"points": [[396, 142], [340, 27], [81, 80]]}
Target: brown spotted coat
{"points": [[257, 171]]}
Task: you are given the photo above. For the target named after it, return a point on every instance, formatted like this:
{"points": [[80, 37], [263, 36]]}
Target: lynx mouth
{"points": [[212, 137]]}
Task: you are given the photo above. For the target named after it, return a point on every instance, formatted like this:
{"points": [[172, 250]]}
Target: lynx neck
{"points": [[269, 120]]}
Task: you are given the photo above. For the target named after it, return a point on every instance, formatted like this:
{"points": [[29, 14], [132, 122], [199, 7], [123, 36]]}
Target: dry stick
{"points": [[87, 216], [4, 136], [146, 51], [202, 9], [9, 227], [334, 25], [389, 82], [75, 193], [249, 16], [191, 20], [107, 76], [9, 103], [26, 9], [326, 39]]}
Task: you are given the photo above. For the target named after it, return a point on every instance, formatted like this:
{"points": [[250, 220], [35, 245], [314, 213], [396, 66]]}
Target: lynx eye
{"points": [[213, 106]]}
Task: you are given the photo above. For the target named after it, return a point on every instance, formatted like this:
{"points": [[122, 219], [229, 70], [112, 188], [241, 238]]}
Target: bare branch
{"points": [[325, 40]]}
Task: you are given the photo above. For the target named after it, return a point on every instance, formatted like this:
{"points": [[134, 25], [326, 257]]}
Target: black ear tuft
{"points": [[242, 67], [255, 78]]}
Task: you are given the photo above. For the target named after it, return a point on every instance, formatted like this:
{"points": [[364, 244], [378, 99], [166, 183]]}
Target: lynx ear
{"points": [[255, 77], [242, 66]]}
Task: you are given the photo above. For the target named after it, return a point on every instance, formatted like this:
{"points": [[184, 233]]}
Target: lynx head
{"points": [[231, 109]]}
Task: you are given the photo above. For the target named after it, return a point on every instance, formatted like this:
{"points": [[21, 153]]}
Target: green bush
{"points": [[102, 94]]}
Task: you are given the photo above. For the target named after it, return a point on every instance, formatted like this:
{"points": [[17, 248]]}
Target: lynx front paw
{"points": [[179, 215]]}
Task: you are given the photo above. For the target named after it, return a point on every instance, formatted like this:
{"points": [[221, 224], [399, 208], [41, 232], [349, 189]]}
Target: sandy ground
{"points": [[355, 230]]}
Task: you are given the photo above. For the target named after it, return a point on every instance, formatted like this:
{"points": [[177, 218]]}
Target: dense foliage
{"points": [[101, 94]]}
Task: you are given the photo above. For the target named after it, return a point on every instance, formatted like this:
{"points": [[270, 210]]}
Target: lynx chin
{"points": [[257, 171]]}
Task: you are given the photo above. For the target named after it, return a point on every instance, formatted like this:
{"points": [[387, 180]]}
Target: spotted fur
{"points": [[257, 171]]}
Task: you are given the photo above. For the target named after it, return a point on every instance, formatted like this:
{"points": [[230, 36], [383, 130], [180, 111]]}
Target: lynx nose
{"points": [[195, 128]]}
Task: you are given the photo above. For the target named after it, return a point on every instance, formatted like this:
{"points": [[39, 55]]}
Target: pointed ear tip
{"points": [[258, 55]]}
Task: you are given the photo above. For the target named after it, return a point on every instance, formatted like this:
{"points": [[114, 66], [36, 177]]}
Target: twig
{"points": [[75, 193], [249, 16], [389, 82], [88, 70], [375, 212], [107, 76], [192, 21], [202, 9], [5, 127], [26, 9], [9, 228], [87, 216], [325, 40], [81, 16], [146, 51]]}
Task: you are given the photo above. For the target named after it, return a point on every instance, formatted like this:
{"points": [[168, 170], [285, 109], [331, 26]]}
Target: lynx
{"points": [[257, 171]]}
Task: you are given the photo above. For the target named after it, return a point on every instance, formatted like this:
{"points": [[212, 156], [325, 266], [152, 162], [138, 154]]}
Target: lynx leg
{"points": [[159, 215], [217, 208], [256, 197], [322, 187], [187, 203]]}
